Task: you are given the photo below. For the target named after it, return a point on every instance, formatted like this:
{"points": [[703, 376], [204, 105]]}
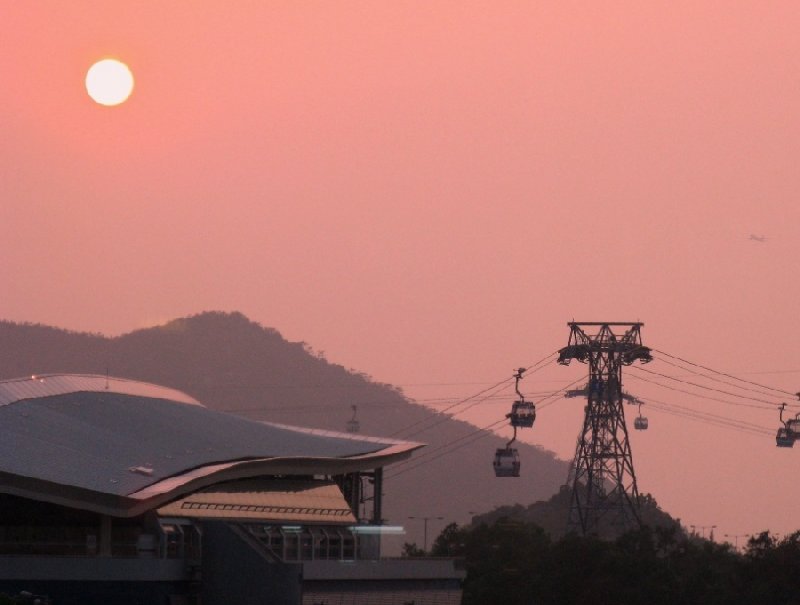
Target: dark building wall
{"points": [[102, 593], [234, 571]]}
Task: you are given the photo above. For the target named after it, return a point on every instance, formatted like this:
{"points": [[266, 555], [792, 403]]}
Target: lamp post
{"points": [[425, 529], [735, 539]]}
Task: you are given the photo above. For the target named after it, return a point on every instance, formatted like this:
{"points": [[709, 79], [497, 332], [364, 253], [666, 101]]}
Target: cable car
{"points": [[506, 462], [640, 423], [523, 414], [784, 438], [353, 426]]}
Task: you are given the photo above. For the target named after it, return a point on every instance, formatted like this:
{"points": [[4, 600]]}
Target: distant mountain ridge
{"points": [[232, 364]]}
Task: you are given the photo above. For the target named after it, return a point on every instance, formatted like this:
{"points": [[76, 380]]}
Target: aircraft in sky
{"points": [[758, 238]]}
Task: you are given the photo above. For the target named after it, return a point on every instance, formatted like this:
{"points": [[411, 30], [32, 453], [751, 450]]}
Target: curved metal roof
{"points": [[94, 439], [46, 385]]}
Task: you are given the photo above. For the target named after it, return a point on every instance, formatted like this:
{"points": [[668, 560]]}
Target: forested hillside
{"points": [[515, 563]]}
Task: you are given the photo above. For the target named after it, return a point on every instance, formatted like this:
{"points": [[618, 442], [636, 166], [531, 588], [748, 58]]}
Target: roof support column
{"points": [[105, 536], [377, 497]]}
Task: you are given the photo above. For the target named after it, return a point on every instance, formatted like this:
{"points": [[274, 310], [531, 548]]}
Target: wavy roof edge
{"points": [[49, 385], [59, 485]]}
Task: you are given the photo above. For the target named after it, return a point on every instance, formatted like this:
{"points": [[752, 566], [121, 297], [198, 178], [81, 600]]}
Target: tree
{"points": [[412, 550]]}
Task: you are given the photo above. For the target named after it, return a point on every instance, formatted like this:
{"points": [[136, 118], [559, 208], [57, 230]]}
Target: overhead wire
{"points": [[472, 437], [758, 406], [441, 416], [676, 410], [715, 379], [702, 386], [423, 459], [502, 385], [763, 386], [400, 403], [706, 417], [725, 422]]}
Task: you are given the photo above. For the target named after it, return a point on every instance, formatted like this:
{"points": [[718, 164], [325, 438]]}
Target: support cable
{"points": [[728, 382], [758, 406], [505, 383], [763, 386], [707, 418], [702, 386], [476, 435]]}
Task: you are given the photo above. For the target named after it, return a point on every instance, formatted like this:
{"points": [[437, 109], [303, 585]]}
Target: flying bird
{"points": [[758, 238]]}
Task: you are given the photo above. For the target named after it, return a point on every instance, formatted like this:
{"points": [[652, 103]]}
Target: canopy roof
{"points": [[296, 501]]}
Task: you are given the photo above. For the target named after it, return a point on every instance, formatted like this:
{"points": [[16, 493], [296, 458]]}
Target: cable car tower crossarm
{"points": [[603, 480]]}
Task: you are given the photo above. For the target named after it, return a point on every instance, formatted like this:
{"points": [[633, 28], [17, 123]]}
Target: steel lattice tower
{"points": [[603, 481]]}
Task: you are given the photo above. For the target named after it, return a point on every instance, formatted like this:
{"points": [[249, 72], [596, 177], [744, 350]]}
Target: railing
{"points": [[64, 549]]}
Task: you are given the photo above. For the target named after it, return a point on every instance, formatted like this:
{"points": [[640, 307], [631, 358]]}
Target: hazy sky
{"points": [[428, 192]]}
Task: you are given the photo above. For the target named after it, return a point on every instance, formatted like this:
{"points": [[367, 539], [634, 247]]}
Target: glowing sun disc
{"points": [[109, 82]]}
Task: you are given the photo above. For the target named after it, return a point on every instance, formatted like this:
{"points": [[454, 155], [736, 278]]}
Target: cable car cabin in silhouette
{"points": [[353, 425], [787, 435], [784, 438], [506, 462], [640, 423], [790, 432], [523, 414]]}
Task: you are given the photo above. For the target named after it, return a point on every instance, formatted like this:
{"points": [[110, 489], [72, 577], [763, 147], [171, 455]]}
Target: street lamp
{"points": [[703, 529], [425, 529], [736, 539]]}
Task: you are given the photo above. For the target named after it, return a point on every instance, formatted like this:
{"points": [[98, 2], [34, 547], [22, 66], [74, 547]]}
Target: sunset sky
{"points": [[428, 192]]}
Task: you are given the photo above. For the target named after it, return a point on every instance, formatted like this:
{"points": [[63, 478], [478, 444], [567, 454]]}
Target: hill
{"points": [[551, 515], [233, 364]]}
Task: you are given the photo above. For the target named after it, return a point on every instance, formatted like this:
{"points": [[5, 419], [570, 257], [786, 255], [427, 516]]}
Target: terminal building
{"points": [[117, 491]]}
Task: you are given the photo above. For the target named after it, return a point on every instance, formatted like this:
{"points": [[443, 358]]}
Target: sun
{"points": [[109, 82]]}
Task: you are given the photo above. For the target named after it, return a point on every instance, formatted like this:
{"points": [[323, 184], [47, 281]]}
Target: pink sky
{"points": [[428, 192]]}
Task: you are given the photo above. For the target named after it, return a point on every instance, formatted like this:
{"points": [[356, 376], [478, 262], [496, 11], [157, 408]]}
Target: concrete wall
{"points": [[237, 572]]}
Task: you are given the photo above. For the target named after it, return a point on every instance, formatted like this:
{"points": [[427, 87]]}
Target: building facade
{"points": [[116, 491]]}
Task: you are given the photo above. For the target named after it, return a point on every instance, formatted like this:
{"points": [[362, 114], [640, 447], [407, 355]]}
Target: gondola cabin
{"points": [[523, 414], [784, 438], [640, 423], [506, 462], [353, 425]]}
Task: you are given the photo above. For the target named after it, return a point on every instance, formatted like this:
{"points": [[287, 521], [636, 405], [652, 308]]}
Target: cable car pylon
{"points": [[603, 480]]}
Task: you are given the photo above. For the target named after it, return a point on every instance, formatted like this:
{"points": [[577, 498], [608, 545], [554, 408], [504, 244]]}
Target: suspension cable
{"points": [[763, 386]]}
